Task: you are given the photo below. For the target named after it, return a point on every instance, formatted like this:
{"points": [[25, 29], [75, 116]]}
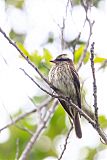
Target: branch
{"points": [[94, 83], [38, 84], [51, 94], [90, 33], [37, 134], [92, 122], [17, 149], [26, 114], [66, 141], [62, 28], [24, 129]]}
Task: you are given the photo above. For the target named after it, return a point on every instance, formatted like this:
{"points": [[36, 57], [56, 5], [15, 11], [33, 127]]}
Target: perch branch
{"points": [[94, 83]]}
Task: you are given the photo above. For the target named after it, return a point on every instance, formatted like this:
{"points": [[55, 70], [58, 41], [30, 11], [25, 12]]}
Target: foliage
{"points": [[17, 37], [40, 60], [56, 127], [80, 50], [103, 121], [78, 53], [9, 148], [16, 3], [57, 124], [92, 152]]}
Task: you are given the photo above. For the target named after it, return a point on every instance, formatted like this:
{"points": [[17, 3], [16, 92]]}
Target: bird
{"points": [[64, 77]]}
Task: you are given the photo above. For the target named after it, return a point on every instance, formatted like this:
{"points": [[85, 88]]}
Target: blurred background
{"points": [[35, 27]]}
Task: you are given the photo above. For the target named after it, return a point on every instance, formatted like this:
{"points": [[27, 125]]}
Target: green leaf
{"points": [[38, 99], [36, 58], [42, 61], [22, 48], [44, 148], [57, 124], [78, 54], [103, 121], [86, 59], [91, 152], [16, 3], [17, 37], [47, 55], [99, 59]]}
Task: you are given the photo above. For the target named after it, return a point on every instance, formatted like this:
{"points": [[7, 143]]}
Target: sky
{"points": [[36, 20]]}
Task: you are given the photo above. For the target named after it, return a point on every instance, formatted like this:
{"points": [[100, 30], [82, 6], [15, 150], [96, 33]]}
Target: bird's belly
{"points": [[66, 87], [64, 82]]}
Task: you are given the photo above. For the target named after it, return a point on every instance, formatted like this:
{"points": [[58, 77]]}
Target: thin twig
{"points": [[62, 35], [63, 27], [51, 94], [24, 129], [17, 149], [37, 134], [26, 114], [94, 83], [66, 141], [90, 33], [36, 82]]}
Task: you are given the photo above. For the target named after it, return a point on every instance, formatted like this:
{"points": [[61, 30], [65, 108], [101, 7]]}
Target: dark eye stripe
{"points": [[63, 59]]}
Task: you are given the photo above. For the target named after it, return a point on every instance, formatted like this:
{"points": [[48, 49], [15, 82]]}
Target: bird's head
{"points": [[61, 58]]}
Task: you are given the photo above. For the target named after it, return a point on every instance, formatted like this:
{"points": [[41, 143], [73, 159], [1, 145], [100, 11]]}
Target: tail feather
{"points": [[77, 126], [74, 118]]}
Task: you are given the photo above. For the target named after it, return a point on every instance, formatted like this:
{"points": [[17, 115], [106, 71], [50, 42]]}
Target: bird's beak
{"points": [[53, 61]]}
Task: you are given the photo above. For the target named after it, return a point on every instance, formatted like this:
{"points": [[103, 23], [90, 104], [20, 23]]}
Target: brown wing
{"points": [[70, 113], [76, 84], [77, 88]]}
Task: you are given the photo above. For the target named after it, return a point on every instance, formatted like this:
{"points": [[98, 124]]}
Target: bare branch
{"points": [[94, 82], [51, 94], [36, 82], [26, 114], [90, 33], [37, 134], [17, 149], [24, 129], [62, 28], [66, 141]]}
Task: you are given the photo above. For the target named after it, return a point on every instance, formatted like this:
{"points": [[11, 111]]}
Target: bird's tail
{"points": [[77, 126], [75, 118]]}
